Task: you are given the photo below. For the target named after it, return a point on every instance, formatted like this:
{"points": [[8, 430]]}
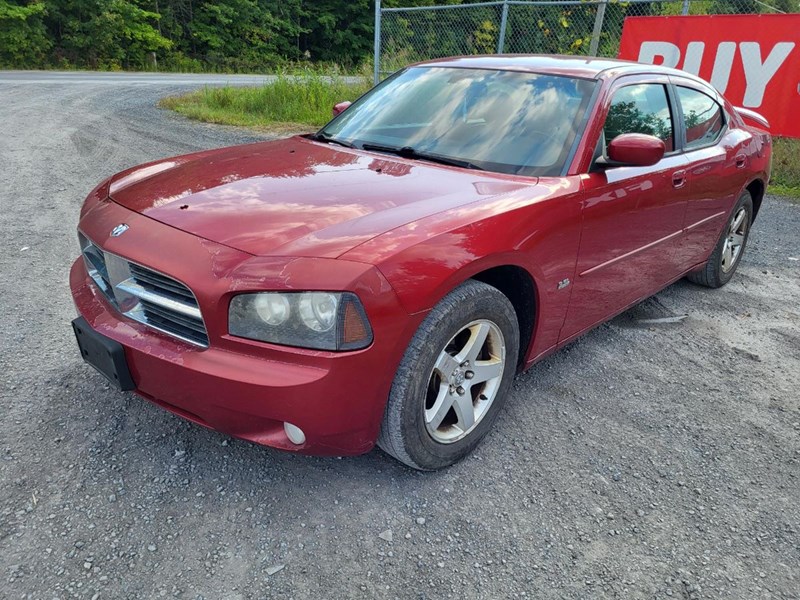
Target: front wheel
{"points": [[453, 379], [727, 255]]}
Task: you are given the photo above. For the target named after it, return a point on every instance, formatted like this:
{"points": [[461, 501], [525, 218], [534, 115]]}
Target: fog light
{"points": [[294, 433]]}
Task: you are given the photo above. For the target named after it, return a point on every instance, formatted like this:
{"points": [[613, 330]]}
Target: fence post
{"points": [[501, 41], [685, 9], [598, 27], [376, 57]]}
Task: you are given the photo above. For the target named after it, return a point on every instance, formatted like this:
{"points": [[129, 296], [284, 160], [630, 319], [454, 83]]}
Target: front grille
{"points": [[144, 295], [161, 283]]}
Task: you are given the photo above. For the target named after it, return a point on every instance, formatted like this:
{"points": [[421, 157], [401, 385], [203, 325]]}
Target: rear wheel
{"points": [[453, 378], [728, 253]]}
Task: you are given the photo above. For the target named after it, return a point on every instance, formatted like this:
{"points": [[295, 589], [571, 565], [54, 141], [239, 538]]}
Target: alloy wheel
{"points": [[734, 240], [464, 381]]}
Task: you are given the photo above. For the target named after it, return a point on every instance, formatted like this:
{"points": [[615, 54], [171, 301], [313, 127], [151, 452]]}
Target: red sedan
{"points": [[383, 280]]}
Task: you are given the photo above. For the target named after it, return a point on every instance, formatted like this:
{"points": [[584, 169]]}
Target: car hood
{"points": [[297, 197]]}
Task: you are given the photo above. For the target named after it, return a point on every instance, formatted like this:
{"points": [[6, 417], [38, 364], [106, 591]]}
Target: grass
{"points": [[291, 101], [299, 101], [785, 167]]}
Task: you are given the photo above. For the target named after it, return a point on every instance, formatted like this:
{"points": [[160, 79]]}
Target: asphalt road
{"points": [[647, 460], [94, 78]]}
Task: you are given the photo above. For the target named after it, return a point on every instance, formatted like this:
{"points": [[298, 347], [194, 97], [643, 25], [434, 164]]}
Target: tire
{"points": [[463, 357], [727, 255]]}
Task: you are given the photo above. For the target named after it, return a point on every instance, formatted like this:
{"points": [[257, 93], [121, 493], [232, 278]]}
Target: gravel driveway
{"points": [[649, 459]]}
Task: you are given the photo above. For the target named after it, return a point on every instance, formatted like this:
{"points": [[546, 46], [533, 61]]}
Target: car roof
{"points": [[586, 67]]}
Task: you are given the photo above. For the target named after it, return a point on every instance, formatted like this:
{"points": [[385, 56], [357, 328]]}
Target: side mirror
{"points": [[340, 108], [633, 150]]}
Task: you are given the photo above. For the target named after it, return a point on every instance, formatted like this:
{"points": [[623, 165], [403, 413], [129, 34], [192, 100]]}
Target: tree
{"points": [[23, 36], [244, 33], [338, 31], [104, 33]]}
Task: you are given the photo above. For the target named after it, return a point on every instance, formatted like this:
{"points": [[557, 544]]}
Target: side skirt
{"points": [[556, 347]]}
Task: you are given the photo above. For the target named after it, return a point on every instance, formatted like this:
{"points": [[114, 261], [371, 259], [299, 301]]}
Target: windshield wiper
{"points": [[327, 139], [409, 152]]}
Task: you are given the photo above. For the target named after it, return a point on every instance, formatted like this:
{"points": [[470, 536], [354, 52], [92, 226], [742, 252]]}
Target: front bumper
{"points": [[249, 389]]}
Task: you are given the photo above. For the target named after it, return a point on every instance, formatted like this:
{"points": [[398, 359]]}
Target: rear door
{"points": [[632, 216], [717, 168]]}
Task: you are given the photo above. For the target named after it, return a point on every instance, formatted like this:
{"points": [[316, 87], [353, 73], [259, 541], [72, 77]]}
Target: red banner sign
{"points": [[754, 60]]}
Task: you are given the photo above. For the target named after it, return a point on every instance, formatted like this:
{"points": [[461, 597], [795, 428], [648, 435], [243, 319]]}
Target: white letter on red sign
{"points": [[694, 56], [757, 74], [670, 53], [722, 66]]}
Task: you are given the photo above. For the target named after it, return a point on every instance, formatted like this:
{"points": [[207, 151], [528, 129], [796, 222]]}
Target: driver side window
{"points": [[641, 108]]}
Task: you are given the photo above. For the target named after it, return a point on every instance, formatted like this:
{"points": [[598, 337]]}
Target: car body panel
{"points": [[715, 183], [628, 240], [716, 174], [632, 220], [536, 228], [296, 197], [244, 387], [298, 215], [586, 67]]}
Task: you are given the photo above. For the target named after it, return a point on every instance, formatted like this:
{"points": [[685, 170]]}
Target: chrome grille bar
{"points": [[134, 289], [151, 279], [156, 311]]}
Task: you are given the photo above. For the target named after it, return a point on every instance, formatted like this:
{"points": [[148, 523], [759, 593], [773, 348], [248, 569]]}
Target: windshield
{"points": [[504, 121]]}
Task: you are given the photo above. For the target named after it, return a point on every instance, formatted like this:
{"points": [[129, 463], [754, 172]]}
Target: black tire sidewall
{"points": [[469, 302]]}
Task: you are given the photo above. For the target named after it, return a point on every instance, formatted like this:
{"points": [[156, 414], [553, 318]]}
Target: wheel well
{"points": [[756, 189], [518, 286]]}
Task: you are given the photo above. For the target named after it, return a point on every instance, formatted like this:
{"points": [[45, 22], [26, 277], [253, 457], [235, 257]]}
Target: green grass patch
{"points": [[785, 179], [290, 100], [791, 192]]}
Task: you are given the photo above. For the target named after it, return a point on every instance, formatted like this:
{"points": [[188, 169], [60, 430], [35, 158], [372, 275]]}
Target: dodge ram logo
{"points": [[119, 230]]}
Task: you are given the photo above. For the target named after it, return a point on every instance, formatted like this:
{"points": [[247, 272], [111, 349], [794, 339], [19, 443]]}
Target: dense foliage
{"points": [[191, 35], [257, 35]]}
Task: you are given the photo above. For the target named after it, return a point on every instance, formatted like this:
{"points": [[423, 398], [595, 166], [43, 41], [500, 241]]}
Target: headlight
{"points": [[273, 309], [318, 310], [318, 320]]}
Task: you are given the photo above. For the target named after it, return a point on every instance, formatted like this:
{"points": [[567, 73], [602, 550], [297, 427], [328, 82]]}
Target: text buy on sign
{"points": [[754, 60]]}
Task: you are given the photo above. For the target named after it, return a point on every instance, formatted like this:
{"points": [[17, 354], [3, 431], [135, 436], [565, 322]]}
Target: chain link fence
{"points": [[584, 27], [580, 27]]}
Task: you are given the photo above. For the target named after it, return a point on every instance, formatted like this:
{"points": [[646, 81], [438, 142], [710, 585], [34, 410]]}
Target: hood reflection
{"points": [[298, 197]]}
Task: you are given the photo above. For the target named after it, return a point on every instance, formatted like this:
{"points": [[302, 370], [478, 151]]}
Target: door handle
{"points": [[679, 179], [741, 161]]}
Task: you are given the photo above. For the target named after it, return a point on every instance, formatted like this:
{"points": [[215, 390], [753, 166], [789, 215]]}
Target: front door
{"points": [[632, 217]]}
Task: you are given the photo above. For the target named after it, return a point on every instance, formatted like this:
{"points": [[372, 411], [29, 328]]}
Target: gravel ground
{"points": [[647, 460]]}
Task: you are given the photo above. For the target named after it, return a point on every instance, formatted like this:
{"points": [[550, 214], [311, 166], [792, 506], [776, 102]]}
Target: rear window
{"points": [[702, 116]]}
